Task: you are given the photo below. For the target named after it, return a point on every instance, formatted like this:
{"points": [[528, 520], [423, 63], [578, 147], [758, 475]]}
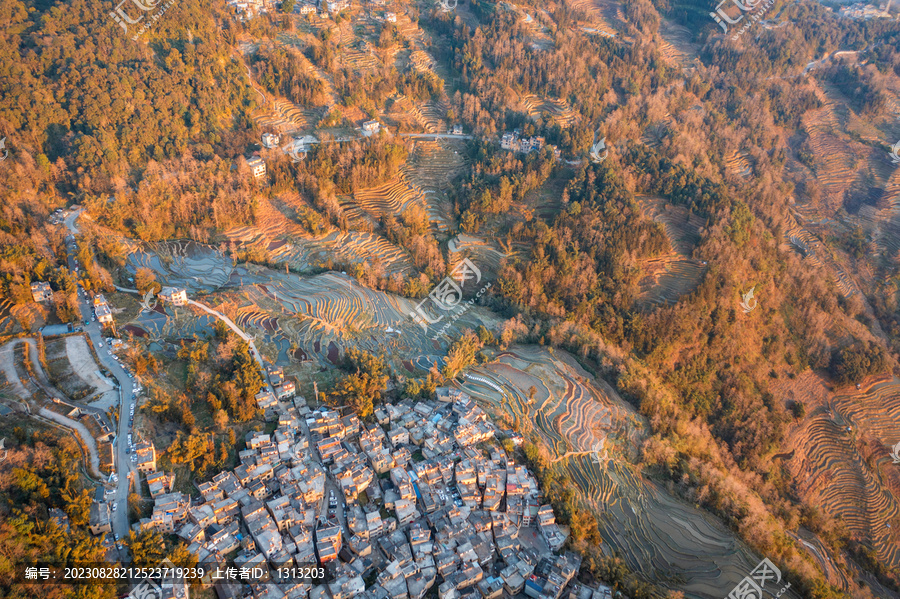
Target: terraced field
{"points": [[477, 250], [394, 197], [324, 314], [432, 166], [286, 241], [813, 251], [7, 318], [671, 276], [559, 110], [838, 456], [284, 117], [882, 222], [572, 412], [737, 165], [837, 159], [604, 16], [188, 264], [676, 45], [429, 117], [171, 323], [351, 247]]}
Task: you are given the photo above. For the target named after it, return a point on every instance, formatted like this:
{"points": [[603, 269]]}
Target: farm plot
{"points": [[74, 371], [579, 417], [486, 257], [322, 315], [63, 373], [838, 456], [671, 276], [432, 167], [187, 264]]}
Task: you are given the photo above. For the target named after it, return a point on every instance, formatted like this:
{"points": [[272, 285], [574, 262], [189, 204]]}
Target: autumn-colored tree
{"points": [[462, 354], [145, 280]]}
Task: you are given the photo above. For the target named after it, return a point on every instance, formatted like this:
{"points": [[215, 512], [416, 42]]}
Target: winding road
{"points": [[7, 365], [253, 351]]}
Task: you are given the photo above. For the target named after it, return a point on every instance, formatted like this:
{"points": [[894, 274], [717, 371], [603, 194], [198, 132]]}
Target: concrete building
{"points": [[176, 296], [270, 140], [41, 292], [257, 167], [371, 128], [146, 456], [100, 518]]}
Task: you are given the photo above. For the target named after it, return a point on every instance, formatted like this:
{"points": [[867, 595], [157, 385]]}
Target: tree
{"points": [[462, 354], [852, 364], [287, 6], [145, 280], [147, 548], [221, 418], [361, 387]]}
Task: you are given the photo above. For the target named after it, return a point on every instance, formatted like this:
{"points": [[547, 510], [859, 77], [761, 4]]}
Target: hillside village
{"points": [[424, 498]]}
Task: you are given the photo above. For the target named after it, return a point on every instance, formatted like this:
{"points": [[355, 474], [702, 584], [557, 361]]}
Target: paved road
{"points": [[126, 400], [435, 136], [7, 363], [239, 333], [83, 433], [7, 356]]}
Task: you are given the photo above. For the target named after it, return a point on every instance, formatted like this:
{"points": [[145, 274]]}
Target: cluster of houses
{"points": [[247, 9], [865, 12], [424, 499], [283, 389], [525, 145], [314, 6]]}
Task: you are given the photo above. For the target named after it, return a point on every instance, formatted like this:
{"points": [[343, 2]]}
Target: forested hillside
{"points": [[758, 164]]}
